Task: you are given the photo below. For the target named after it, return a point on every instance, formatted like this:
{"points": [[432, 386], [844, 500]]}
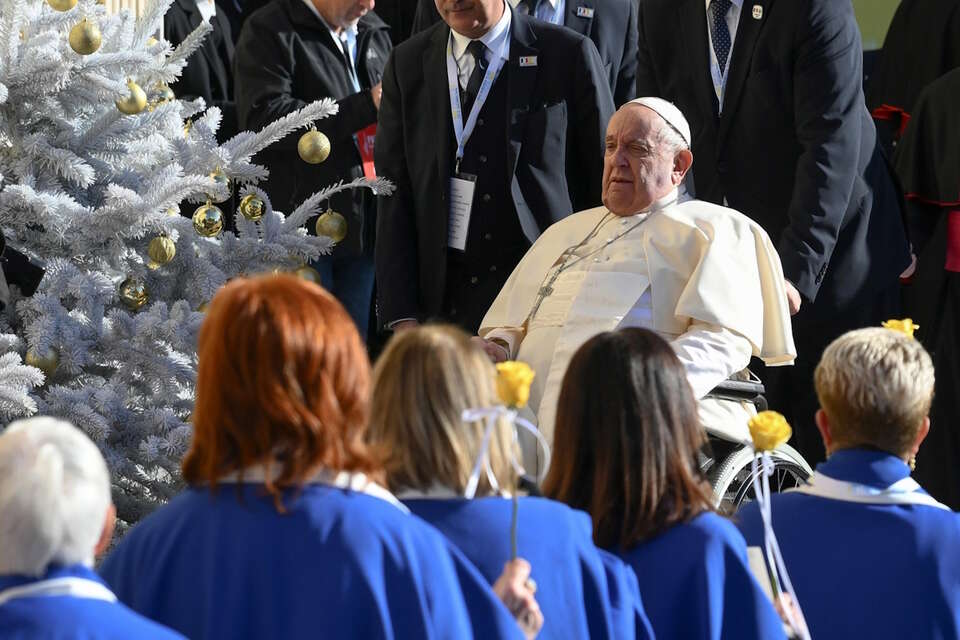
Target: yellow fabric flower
{"points": [[769, 430], [904, 326], [513, 383]]}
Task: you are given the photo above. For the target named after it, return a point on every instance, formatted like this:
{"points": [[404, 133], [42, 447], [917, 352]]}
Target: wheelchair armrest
{"points": [[740, 391]]}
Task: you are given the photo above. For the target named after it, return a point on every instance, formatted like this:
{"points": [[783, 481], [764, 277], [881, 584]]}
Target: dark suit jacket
{"points": [[208, 73], [612, 27], [795, 148], [286, 58], [558, 110]]}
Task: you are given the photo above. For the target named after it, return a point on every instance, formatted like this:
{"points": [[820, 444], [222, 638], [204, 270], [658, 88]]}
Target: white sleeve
{"points": [[508, 335], [711, 354]]}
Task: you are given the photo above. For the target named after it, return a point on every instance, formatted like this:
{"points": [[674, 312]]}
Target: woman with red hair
{"points": [[285, 531]]}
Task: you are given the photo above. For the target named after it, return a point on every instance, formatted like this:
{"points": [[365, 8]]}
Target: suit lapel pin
{"points": [[584, 12], [528, 61], [757, 11]]}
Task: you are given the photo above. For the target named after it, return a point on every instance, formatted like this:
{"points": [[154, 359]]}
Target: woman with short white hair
{"points": [[869, 552], [55, 516]]}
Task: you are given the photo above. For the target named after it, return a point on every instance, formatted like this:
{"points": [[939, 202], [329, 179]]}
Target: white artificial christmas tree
{"points": [[95, 160]]}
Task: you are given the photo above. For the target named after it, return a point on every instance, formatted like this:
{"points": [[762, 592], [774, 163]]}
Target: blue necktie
{"points": [[719, 32]]}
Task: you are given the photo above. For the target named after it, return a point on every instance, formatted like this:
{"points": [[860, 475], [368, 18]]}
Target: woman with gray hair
{"points": [[55, 516], [870, 553]]}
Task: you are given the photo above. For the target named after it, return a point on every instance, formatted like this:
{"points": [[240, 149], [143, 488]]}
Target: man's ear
{"points": [[682, 162], [106, 535], [823, 425]]}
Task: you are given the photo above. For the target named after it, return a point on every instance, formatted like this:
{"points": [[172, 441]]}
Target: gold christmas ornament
{"points": [[152, 41], [48, 364], [332, 225], [313, 147], [203, 307], [208, 220], [252, 207], [62, 5], [85, 37], [162, 93], [186, 128], [133, 293], [221, 178], [135, 102], [309, 274], [161, 250]]}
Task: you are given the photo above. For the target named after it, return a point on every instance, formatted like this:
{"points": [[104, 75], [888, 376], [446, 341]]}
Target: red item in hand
{"points": [[365, 139]]}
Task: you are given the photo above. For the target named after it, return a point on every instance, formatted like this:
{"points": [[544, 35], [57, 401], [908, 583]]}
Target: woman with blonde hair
{"points": [[869, 552], [284, 530], [625, 451], [423, 382]]}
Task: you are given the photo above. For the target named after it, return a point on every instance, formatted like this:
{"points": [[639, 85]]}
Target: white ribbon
{"points": [[490, 415], [67, 586], [905, 491], [761, 488]]}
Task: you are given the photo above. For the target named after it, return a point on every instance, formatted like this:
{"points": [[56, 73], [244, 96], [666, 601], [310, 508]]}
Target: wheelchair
{"points": [[727, 461]]}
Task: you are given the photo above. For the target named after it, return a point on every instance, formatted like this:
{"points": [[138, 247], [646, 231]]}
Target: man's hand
{"points": [[793, 297], [495, 351], [376, 92], [516, 590], [403, 325]]}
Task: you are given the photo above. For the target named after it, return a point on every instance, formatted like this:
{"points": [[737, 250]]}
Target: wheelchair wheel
{"points": [[732, 479]]}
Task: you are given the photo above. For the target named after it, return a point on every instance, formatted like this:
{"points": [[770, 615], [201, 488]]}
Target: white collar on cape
{"points": [[358, 482]]}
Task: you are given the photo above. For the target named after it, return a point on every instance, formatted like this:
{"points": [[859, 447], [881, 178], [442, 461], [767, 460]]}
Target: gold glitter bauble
{"points": [[332, 225], [62, 5], [161, 250], [85, 37], [313, 147], [133, 293], [152, 41], [135, 102], [308, 273], [162, 93], [252, 207], [208, 220], [223, 181], [48, 364]]}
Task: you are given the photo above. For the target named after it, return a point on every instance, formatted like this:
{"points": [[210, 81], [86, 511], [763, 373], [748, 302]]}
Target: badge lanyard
{"points": [[462, 129], [77, 587]]}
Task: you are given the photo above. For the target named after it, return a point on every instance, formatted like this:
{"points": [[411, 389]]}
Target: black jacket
{"points": [[286, 58], [208, 73], [558, 110], [795, 148], [610, 24]]}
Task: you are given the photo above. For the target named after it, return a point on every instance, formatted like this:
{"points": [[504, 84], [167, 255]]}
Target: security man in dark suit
{"points": [[773, 93], [209, 71], [291, 53], [492, 129], [611, 24]]}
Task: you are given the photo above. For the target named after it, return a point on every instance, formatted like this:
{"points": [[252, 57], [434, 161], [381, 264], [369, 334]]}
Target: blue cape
{"points": [[336, 564], [696, 583], [68, 616], [583, 592], [864, 570]]}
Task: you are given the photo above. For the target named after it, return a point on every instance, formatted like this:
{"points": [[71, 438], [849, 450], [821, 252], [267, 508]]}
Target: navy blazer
{"points": [[794, 148], [558, 109]]}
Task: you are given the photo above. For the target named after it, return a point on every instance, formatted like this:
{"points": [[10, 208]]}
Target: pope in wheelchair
{"points": [[705, 277]]}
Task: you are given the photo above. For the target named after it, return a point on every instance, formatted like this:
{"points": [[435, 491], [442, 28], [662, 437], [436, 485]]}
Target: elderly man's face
{"points": [[470, 18], [637, 168], [343, 14]]}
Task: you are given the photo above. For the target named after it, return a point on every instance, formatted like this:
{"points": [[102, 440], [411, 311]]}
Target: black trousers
{"points": [[790, 390]]}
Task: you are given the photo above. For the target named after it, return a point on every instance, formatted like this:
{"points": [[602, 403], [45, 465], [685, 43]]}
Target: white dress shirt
{"points": [[497, 36], [551, 11], [733, 18], [207, 9]]}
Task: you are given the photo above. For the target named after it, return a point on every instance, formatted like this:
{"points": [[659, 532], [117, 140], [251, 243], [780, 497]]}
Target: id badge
{"points": [[462, 186]]}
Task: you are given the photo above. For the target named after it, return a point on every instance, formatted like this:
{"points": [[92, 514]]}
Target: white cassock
{"points": [[704, 277]]}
